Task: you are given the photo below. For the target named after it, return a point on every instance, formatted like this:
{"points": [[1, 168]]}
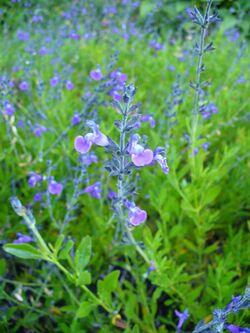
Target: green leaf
{"points": [[108, 285], [24, 251], [58, 244], [65, 251], [83, 254], [2, 267], [84, 309], [84, 278]]}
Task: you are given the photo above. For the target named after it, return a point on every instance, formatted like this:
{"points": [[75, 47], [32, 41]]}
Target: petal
{"points": [[82, 144], [137, 217], [101, 140], [144, 158]]}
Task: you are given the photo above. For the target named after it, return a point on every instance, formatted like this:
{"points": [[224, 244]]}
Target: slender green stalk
{"points": [[201, 48]]}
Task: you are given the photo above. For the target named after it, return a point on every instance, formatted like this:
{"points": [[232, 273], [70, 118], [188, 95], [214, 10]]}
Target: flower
{"points": [[39, 130], [136, 215], [96, 74], [75, 120], [43, 51], [112, 195], [54, 81], [139, 155], [88, 159], [148, 118], [55, 187], [22, 239], [34, 178], [8, 109], [24, 86], [38, 197], [83, 144], [182, 317], [161, 159], [69, 85], [237, 329], [23, 35], [94, 190]]}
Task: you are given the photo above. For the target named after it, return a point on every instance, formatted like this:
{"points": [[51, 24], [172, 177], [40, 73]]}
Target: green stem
{"points": [[195, 117]]}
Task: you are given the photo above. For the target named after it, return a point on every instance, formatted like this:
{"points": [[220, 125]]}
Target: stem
{"points": [[195, 117]]}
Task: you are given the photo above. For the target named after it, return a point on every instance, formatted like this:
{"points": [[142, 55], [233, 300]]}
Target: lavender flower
{"points": [[55, 187], [94, 190], [69, 85], [83, 144], [24, 86], [22, 239], [96, 74], [139, 155], [182, 317], [23, 35], [160, 159], [75, 120], [88, 159], [54, 81], [9, 110], [34, 179], [148, 118], [136, 215], [237, 329], [38, 197], [39, 130]]}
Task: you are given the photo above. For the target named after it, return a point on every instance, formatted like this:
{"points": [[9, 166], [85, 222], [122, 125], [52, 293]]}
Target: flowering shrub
{"points": [[125, 158]]}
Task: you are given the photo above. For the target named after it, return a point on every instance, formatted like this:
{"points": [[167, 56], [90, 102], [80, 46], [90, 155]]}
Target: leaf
{"points": [[84, 309], [24, 251], [2, 267], [65, 251], [108, 285], [84, 278], [58, 244], [83, 254], [210, 195]]}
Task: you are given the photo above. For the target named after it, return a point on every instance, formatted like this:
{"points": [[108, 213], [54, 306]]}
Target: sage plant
{"points": [[127, 155]]}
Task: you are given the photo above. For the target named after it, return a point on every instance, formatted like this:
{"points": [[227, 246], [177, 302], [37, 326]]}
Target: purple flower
{"points": [[171, 68], [237, 329], [88, 159], [241, 80], [39, 130], [24, 86], [23, 35], [96, 74], [22, 239], [75, 120], [54, 81], [9, 109], [83, 144], [161, 159], [116, 95], [195, 152], [156, 45], [112, 195], [94, 190], [139, 155], [38, 197], [43, 51], [37, 18], [34, 178], [55, 187], [69, 85], [136, 215], [182, 317], [74, 35], [148, 118]]}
